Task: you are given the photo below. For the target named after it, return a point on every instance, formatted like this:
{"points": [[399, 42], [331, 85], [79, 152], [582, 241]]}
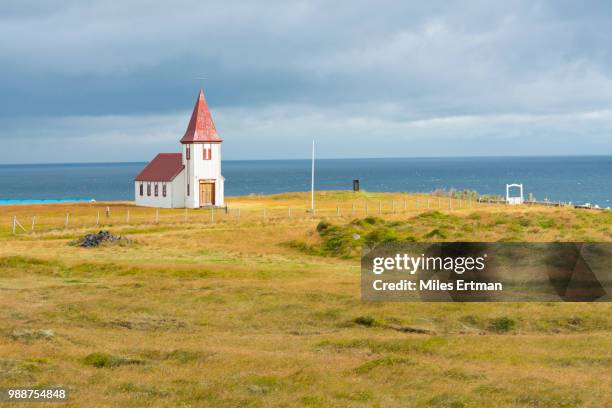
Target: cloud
{"points": [[105, 74], [339, 132]]}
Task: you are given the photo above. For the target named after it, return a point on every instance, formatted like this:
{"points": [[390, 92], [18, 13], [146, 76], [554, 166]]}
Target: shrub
{"points": [[322, 226], [380, 235], [105, 360], [502, 324], [367, 321]]}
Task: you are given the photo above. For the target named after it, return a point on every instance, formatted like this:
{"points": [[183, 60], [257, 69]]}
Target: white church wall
{"points": [[197, 168], [177, 188], [158, 201]]}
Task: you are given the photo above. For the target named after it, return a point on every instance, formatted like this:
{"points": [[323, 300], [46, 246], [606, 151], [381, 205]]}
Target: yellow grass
{"points": [[225, 313]]}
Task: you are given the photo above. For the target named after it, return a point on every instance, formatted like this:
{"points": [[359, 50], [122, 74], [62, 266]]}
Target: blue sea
{"points": [[579, 179]]}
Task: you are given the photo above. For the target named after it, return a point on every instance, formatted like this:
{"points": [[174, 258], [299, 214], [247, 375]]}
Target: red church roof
{"points": [[164, 167], [201, 128]]}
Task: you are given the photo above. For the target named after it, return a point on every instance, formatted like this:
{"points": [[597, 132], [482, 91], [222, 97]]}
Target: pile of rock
{"points": [[93, 240]]}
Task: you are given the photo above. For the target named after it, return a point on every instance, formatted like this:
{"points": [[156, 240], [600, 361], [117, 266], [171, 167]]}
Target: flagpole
{"points": [[312, 178]]}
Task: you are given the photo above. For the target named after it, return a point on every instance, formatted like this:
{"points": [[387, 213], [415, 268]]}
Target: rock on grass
{"points": [[95, 239]]}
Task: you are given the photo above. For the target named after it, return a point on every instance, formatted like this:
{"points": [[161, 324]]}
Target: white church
{"points": [[190, 179]]}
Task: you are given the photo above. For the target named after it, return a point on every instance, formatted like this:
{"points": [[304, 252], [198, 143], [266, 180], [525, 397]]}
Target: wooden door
{"points": [[207, 193]]}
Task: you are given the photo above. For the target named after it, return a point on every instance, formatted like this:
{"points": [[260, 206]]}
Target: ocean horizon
{"points": [[579, 179]]}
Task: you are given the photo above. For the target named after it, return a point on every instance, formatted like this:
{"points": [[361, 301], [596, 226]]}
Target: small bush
{"points": [[322, 226], [380, 235], [105, 360], [545, 223], [366, 321], [502, 325], [372, 220], [367, 221]]}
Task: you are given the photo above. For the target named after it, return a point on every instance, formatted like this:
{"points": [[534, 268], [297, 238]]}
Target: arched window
{"points": [[188, 153], [141, 189], [156, 190], [148, 189], [164, 189]]}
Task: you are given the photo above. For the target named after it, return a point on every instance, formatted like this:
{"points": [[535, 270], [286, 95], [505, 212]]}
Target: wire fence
{"points": [[28, 220]]}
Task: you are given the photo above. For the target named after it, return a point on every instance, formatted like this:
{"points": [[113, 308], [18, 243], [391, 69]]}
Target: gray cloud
{"points": [[531, 75]]}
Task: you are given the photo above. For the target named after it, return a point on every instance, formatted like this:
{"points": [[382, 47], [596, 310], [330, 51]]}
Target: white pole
{"points": [[33, 222], [14, 223], [312, 178]]}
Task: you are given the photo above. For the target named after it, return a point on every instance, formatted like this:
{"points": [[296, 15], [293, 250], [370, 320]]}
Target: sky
{"points": [[109, 81]]}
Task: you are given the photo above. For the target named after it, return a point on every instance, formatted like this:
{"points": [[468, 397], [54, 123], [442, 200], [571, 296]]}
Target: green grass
{"points": [[269, 314]]}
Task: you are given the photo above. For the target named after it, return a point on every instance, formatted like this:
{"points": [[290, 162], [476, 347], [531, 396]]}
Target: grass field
{"points": [[263, 311]]}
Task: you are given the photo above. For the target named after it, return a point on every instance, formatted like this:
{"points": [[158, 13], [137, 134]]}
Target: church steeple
{"points": [[201, 128]]}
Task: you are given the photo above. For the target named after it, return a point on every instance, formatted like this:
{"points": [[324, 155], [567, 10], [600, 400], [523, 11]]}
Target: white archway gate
{"points": [[514, 200]]}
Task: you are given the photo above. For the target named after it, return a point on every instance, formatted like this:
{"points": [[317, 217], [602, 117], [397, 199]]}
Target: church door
{"points": [[207, 193]]}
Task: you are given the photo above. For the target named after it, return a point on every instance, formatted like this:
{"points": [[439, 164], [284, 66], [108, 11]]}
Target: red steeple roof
{"points": [[201, 128]]}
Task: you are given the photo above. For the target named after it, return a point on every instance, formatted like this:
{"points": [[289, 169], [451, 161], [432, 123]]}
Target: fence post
{"points": [[33, 221], [98, 218], [289, 212], [353, 208], [405, 205], [428, 203], [66, 223], [337, 210], [14, 223], [366, 208]]}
